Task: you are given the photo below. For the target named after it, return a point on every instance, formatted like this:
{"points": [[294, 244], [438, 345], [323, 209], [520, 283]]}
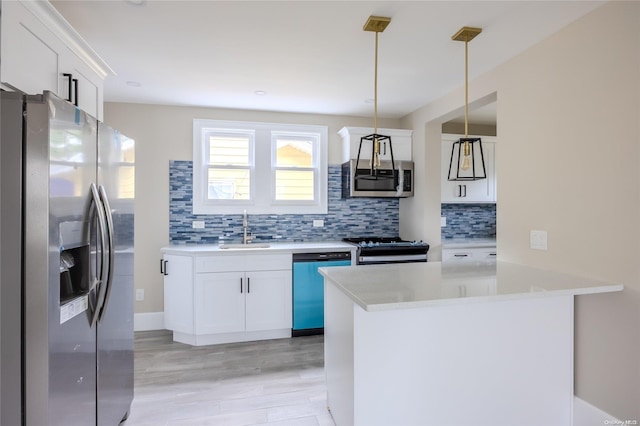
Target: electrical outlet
{"points": [[538, 240], [197, 224], [139, 295], [443, 221], [318, 223]]}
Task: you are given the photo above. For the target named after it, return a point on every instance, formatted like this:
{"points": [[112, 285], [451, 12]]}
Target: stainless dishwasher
{"points": [[308, 289]]}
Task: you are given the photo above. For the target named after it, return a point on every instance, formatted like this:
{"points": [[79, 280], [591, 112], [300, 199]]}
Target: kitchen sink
{"points": [[243, 246]]}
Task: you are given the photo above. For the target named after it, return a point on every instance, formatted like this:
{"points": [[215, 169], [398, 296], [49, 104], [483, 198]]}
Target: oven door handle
{"points": [[392, 259]]}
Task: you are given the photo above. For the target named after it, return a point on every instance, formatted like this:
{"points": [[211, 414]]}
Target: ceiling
{"points": [[308, 56]]}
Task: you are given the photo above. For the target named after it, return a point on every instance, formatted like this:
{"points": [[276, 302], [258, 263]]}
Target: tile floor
{"points": [[273, 382]]}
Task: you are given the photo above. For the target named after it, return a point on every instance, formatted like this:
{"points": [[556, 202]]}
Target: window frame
{"points": [[262, 180]]}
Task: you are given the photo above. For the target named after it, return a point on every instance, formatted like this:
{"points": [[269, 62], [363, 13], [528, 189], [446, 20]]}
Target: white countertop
{"points": [[460, 243], [415, 285], [208, 249]]}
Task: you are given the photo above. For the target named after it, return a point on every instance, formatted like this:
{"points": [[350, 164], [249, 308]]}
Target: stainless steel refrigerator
{"points": [[66, 268]]}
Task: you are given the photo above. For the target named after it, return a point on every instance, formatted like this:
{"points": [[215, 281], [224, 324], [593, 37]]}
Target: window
{"points": [[261, 167], [229, 165]]}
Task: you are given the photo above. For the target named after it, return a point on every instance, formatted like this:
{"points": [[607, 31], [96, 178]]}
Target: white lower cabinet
{"points": [[219, 303], [178, 292], [268, 300], [228, 302], [230, 298]]}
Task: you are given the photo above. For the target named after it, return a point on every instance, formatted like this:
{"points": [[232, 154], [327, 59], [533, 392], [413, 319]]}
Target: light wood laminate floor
{"points": [[273, 382]]}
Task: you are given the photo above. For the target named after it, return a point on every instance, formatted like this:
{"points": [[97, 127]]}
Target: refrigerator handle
{"points": [[102, 270], [111, 257]]}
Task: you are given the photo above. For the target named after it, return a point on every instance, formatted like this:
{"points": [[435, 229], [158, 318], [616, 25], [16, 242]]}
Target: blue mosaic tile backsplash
{"points": [[353, 217], [469, 220]]}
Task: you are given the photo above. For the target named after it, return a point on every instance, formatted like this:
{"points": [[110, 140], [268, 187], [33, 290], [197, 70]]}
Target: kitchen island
{"points": [[425, 344]]}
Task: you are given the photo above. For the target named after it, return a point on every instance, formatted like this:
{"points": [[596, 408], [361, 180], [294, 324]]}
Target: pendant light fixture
{"points": [[376, 24], [467, 151]]}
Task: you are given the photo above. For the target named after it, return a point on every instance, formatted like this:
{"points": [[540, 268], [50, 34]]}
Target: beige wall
{"points": [[567, 162], [164, 133]]}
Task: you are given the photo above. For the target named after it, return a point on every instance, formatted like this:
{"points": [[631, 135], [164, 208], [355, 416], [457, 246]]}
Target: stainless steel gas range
{"points": [[375, 250]]}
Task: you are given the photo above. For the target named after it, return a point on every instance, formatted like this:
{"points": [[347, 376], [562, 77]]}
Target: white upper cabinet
{"points": [[39, 47], [400, 139], [478, 191]]}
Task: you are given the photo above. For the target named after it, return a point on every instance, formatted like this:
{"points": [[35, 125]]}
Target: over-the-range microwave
{"points": [[386, 185]]}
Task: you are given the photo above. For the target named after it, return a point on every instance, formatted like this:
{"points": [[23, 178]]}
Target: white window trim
{"points": [[263, 173]]}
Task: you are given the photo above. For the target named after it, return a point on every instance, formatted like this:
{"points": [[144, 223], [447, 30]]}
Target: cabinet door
{"points": [[88, 89], [30, 52], [178, 293], [479, 191], [268, 300], [219, 302]]}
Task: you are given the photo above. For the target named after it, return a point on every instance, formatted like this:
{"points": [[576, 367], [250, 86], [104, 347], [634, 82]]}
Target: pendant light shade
{"points": [[378, 142], [467, 157], [467, 160]]}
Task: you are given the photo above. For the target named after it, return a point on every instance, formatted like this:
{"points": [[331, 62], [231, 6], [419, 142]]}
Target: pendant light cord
{"points": [[466, 87], [375, 90]]}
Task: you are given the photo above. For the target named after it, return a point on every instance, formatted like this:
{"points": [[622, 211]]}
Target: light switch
{"points": [[139, 294], [538, 240], [443, 221]]}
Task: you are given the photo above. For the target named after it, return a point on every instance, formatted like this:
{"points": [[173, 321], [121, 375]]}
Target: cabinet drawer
{"points": [[243, 262], [469, 255]]}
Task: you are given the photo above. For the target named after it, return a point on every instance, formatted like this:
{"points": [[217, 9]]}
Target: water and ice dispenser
{"points": [[74, 260]]}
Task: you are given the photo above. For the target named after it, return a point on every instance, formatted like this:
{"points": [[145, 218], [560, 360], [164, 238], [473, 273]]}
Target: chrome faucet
{"points": [[245, 225]]}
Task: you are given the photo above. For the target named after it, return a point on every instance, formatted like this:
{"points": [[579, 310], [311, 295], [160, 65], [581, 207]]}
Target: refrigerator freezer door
{"points": [[116, 168], [10, 257], [59, 343]]}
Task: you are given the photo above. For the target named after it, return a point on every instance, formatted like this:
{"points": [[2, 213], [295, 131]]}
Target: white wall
{"points": [[164, 133], [569, 131]]}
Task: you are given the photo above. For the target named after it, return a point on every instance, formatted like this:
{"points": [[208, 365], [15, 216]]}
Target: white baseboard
{"points": [[585, 414], [148, 321]]}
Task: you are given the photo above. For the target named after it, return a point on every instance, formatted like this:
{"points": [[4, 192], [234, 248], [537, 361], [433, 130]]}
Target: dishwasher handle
{"points": [[321, 257]]}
